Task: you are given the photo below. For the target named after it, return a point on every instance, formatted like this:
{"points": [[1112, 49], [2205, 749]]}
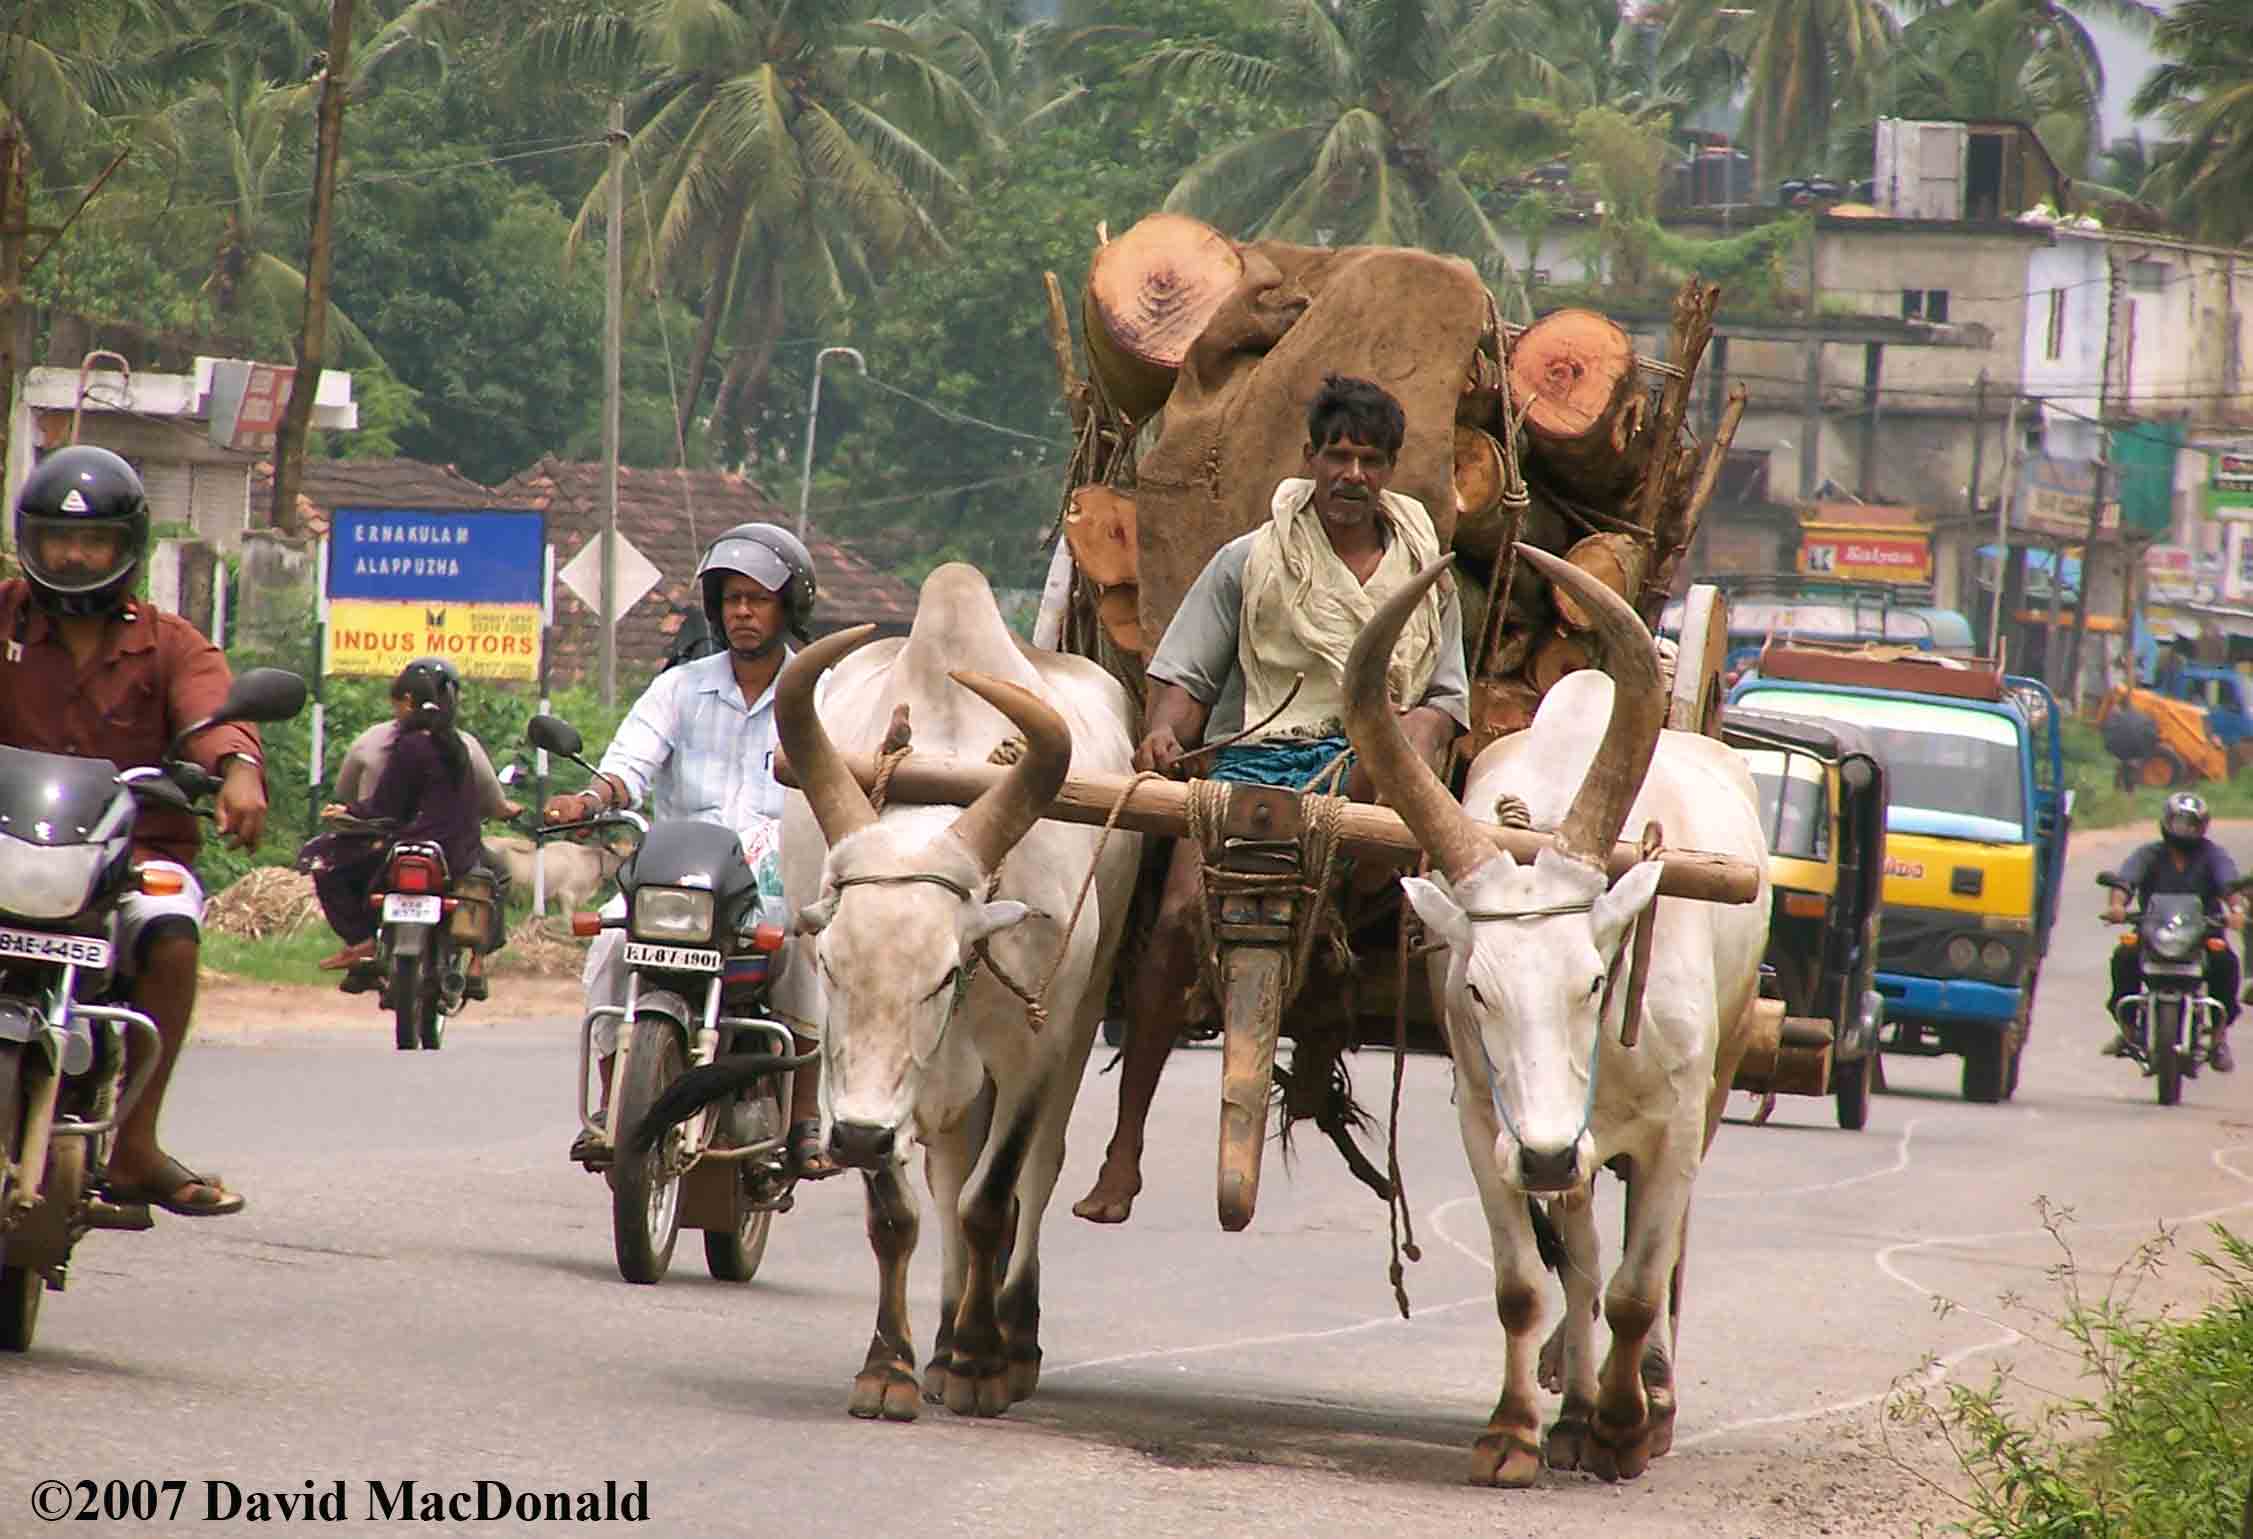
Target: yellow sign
{"points": [[486, 641]]}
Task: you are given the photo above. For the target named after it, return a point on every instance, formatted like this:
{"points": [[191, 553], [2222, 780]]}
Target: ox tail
{"points": [[701, 1087], [1549, 1244]]}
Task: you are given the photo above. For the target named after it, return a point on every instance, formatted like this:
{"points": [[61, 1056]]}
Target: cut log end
{"points": [[1574, 369], [1100, 528], [1618, 561], [1149, 294]]}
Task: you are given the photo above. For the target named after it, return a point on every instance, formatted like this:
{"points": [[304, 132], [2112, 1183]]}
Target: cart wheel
{"points": [[1850, 1082]]}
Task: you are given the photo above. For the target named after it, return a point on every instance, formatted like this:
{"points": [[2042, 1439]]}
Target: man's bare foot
{"points": [[1112, 1198]]}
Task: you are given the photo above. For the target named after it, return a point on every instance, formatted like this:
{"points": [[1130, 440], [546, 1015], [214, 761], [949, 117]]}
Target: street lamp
{"points": [[813, 415]]}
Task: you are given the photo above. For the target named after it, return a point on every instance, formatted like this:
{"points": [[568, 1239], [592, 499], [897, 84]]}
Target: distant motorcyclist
{"points": [[2181, 861]]}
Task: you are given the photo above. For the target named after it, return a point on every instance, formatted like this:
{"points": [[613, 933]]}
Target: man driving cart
{"points": [[1261, 638]]}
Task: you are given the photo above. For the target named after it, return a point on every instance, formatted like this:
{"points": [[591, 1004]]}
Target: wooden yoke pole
{"points": [[1364, 830]]}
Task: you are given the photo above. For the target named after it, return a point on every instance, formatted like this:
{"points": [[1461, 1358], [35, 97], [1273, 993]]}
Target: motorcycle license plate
{"points": [[31, 945], [687, 959], [400, 908]]}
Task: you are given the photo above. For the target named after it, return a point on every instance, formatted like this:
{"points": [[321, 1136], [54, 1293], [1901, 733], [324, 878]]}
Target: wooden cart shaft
{"points": [[1365, 831]]}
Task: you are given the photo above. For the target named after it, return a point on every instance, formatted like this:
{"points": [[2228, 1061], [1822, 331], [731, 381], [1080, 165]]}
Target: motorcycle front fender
{"points": [[671, 1005]]}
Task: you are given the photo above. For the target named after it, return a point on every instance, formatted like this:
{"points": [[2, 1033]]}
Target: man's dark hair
{"points": [[1359, 409]]}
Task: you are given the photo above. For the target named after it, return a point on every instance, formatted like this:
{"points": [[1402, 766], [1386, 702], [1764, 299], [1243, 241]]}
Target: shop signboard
{"points": [[404, 583], [1865, 555], [2053, 499]]}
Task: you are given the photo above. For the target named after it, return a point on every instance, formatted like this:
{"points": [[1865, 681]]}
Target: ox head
{"points": [[1530, 946], [900, 911]]}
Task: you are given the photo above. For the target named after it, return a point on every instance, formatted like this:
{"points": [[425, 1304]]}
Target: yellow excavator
{"points": [[2160, 741]]}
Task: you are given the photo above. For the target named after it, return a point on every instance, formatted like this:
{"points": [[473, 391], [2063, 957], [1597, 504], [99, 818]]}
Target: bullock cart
{"points": [[1201, 357]]}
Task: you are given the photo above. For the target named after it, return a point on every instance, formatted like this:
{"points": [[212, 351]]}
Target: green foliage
{"points": [[1750, 267], [2157, 1442], [2098, 801]]}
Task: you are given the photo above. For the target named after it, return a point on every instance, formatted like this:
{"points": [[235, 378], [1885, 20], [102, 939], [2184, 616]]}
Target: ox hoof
{"points": [[888, 1393], [1567, 1445], [1506, 1460], [1024, 1373], [979, 1391], [1613, 1455]]}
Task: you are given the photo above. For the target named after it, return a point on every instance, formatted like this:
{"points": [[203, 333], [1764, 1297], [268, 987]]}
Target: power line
{"points": [[855, 504], [952, 415]]}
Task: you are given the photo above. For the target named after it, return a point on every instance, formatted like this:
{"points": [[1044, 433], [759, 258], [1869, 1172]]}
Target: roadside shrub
{"points": [[2152, 1440]]}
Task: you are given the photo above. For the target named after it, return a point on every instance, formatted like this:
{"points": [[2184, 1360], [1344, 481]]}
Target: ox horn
{"points": [[1399, 772], [1623, 758], [993, 824], [840, 806]]}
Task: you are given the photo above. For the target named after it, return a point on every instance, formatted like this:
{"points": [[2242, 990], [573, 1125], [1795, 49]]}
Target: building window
{"points": [[2054, 346], [1925, 305]]}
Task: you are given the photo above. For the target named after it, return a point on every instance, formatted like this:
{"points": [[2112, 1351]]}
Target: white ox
{"points": [[921, 1042], [1528, 950]]}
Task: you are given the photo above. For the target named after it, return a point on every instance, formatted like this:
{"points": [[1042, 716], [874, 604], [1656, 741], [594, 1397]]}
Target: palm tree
{"points": [[62, 67], [2204, 94], [2000, 59], [1013, 67], [780, 152], [1374, 94], [247, 139], [1807, 63]]}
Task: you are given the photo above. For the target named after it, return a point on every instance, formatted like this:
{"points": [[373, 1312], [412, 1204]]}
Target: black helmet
{"points": [[2182, 822], [90, 490], [431, 681], [770, 556]]}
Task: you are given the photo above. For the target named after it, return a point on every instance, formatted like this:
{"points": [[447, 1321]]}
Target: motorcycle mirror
{"points": [[555, 735], [258, 694], [2107, 879], [508, 776]]}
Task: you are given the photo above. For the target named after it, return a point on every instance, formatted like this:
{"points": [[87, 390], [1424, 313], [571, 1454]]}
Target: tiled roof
{"points": [[373, 483], [670, 516]]}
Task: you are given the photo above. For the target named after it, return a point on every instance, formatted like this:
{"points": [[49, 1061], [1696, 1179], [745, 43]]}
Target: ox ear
{"points": [[814, 917], [1629, 896], [988, 918], [1437, 907]]}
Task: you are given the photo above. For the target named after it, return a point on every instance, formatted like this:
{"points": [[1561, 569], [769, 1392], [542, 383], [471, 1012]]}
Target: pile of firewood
{"points": [[1563, 438]]}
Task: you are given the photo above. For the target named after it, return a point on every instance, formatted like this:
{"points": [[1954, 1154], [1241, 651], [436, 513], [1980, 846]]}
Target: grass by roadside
{"points": [[271, 959], [2099, 803]]}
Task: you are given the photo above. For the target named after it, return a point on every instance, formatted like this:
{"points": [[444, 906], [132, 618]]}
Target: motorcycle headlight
{"points": [[1963, 954], [675, 914], [2176, 940], [1996, 958], [45, 881]]}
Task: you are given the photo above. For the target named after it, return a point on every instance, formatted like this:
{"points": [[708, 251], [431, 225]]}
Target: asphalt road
{"points": [[422, 1290]]}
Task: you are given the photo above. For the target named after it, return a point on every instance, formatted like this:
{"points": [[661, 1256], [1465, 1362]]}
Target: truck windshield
{"points": [[1952, 770], [1794, 802]]}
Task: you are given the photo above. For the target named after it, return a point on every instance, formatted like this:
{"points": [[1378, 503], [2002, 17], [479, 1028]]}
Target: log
{"points": [[1120, 611], [1149, 293], [1479, 514], [1553, 659], [1365, 831], [1615, 560], [1576, 373], [1099, 525]]}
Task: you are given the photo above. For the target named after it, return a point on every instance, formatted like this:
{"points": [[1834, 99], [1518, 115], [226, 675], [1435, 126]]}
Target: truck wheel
{"points": [[1985, 1068], [2161, 770], [2241, 754]]}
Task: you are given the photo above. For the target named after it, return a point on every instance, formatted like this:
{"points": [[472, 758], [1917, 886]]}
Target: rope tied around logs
{"points": [[1009, 750]]}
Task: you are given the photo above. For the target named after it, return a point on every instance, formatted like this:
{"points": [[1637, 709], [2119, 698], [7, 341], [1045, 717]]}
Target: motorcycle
{"points": [[432, 923], [2169, 1025], [698, 965], [75, 1056]]}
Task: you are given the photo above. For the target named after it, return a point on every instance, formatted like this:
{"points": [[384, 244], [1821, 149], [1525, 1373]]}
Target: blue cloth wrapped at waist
{"points": [[1286, 762]]}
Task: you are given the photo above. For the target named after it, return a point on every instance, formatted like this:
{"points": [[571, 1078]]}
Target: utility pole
{"points": [[1967, 562], [14, 211], [312, 341], [613, 347], [1811, 406], [2102, 479], [2005, 561]]}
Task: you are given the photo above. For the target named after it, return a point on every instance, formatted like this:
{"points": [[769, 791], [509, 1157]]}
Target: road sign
{"points": [[467, 586], [582, 574]]}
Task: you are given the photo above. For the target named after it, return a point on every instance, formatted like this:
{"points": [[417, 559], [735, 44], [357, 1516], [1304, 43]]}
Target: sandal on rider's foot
{"points": [[809, 1161], [590, 1146], [174, 1188], [2220, 1056], [473, 987]]}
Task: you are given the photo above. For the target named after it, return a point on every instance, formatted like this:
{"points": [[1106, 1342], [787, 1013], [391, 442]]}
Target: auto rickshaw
{"points": [[1823, 796]]}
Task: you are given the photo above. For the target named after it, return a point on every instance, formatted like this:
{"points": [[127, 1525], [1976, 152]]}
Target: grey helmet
{"points": [[2183, 821], [770, 556]]}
